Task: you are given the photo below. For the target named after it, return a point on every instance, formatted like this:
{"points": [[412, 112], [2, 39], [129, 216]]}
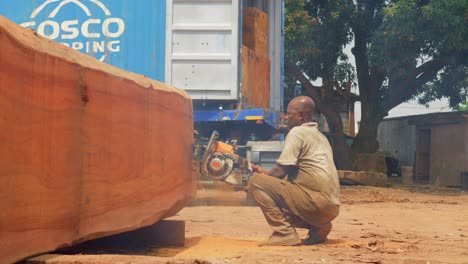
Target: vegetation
{"points": [[463, 107], [402, 49]]}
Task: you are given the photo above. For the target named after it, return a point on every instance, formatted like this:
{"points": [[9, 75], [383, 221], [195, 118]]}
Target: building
{"points": [[435, 144]]}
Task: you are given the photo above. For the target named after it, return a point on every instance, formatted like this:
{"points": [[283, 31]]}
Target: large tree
{"points": [[403, 49]]}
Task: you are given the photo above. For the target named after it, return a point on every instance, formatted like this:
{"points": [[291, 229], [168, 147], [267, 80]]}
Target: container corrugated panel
{"points": [[399, 138], [204, 50], [128, 34]]}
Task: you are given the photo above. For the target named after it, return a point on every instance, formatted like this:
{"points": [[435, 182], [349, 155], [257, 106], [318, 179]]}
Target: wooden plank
{"points": [[255, 79], [254, 19], [262, 88], [255, 30], [88, 150]]}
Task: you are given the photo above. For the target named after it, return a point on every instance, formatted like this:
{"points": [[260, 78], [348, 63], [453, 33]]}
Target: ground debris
{"points": [[369, 235], [398, 241], [375, 245], [401, 233], [355, 223], [376, 261], [360, 259], [439, 202], [202, 221], [182, 261], [356, 246]]}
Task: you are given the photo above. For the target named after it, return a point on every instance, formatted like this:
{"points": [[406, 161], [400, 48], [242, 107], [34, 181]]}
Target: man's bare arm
{"points": [[278, 171]]}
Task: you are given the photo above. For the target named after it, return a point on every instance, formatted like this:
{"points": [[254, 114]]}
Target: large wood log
{"points": [[87, 150]]}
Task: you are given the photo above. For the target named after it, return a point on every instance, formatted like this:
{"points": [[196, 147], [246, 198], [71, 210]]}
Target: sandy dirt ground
{"points": [[397, 224]]}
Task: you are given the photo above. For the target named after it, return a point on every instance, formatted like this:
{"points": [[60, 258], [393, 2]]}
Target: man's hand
{"points": [[278, 171], [257, 168]]}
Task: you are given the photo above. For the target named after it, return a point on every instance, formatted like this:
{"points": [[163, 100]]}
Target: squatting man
{"points": [[302, 190]]}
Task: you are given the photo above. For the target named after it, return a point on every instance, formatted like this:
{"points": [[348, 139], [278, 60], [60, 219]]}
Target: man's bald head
{"points": [[301, 110], [303, 103]]}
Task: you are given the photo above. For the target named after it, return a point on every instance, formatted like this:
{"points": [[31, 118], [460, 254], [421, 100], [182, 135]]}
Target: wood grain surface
{"points": [[87, 150], [255, 79]]}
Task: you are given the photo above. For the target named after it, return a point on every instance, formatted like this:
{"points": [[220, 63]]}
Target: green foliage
{"points": [[403, 49], [463, 106], [315, 37], [400, 36], [452, 83], [414, 32]]}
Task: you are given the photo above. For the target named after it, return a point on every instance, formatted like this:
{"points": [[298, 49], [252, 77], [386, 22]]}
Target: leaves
{"points": [[315, 36], [463, 106], [403, 49], [398, 37]]}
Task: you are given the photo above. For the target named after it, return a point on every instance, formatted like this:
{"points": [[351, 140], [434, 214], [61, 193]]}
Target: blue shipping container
{"points": [[127, 34], [193, 45]]}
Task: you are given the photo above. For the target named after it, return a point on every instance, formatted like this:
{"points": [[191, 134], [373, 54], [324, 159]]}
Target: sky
{"points": [[409, 108]]}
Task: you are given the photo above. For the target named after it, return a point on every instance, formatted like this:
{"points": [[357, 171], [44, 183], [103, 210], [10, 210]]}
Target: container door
{"points": [[202, 51]]}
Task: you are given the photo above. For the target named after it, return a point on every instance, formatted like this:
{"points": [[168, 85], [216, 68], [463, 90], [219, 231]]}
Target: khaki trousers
{"points": [[270, 192]]}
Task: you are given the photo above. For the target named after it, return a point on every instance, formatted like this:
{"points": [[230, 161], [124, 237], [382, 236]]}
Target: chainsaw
{"points": [[218, 161]]}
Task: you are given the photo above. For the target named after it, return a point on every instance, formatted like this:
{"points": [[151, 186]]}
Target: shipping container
{"points": [[194, 45]]}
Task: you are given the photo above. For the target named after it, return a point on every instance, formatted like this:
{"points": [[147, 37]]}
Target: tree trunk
{"points": [[366, 139], [341, 152]]}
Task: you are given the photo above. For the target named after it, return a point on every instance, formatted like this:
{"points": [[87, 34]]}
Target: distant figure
{"points": [[302, 190]]}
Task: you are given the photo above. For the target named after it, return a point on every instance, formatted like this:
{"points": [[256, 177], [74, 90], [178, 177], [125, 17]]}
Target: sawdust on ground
{"points": [[417, 224]]}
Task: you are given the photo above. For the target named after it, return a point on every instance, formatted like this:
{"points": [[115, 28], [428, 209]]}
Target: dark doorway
{"points": [[423, 156]]}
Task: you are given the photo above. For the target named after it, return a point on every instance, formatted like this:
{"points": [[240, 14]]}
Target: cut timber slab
{"points": [[255, 79], [88, 150]]}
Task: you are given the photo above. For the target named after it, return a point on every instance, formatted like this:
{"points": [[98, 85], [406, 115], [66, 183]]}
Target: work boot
{"points": [[277, 239], [317, 236]]}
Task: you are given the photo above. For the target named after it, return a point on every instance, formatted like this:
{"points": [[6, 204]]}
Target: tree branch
{"points": [[402, 90], [345, 93], [310, 88]]}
